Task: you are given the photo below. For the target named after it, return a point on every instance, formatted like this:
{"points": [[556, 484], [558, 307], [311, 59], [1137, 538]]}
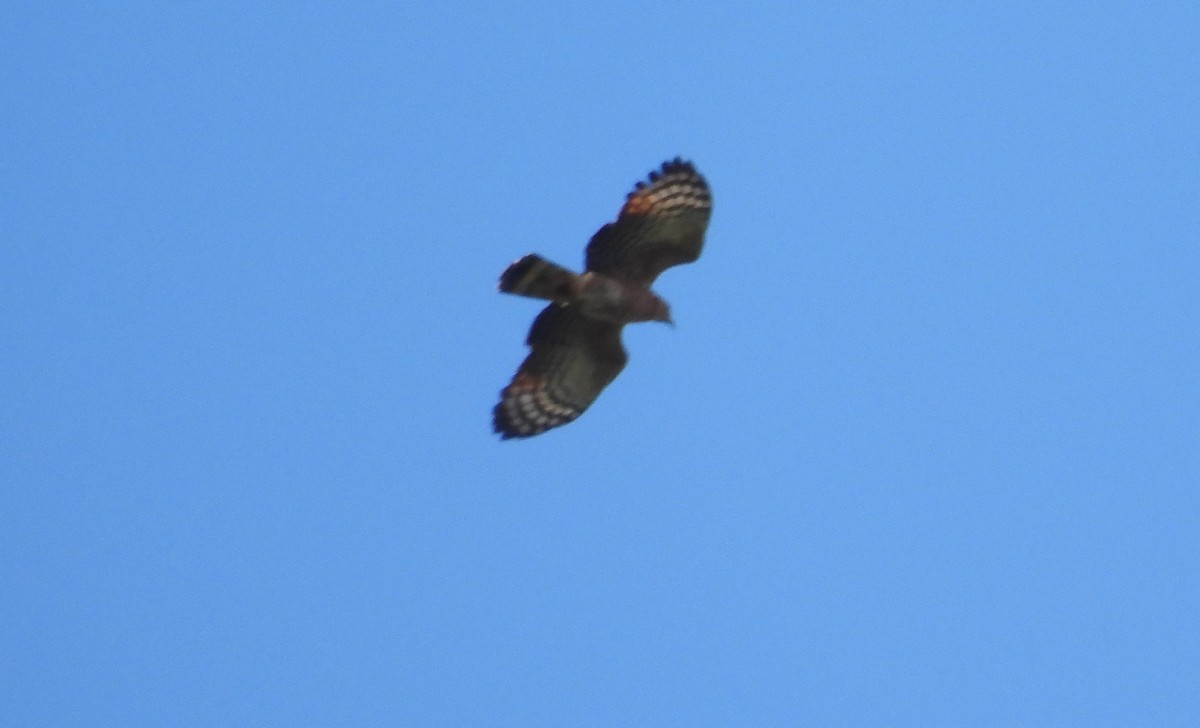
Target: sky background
{"points": [[924, 448]]}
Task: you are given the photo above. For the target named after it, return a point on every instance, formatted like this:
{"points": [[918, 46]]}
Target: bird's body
{"points": [[596, 295], [576, 340]]}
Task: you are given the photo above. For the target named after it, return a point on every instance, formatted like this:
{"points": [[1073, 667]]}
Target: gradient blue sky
{"points": [[924, 448]]}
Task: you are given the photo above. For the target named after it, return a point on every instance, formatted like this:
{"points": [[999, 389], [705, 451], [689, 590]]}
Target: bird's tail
{"points": [[536, 277]]}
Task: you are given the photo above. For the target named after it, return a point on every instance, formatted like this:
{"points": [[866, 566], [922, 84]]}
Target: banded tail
{"points": [[536, 277]]}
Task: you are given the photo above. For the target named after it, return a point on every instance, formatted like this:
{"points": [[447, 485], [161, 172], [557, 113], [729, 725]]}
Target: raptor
{"points": [[575, 342]]}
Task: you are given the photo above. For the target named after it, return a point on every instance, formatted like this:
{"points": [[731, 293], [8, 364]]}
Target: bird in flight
{"points": [[575, 342]]}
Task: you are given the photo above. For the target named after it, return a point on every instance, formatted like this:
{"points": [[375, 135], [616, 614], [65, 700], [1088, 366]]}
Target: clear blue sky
{"points": [[924, 448]]}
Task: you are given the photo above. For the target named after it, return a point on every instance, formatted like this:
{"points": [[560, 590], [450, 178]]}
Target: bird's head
{"points": [[662, 312]]}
